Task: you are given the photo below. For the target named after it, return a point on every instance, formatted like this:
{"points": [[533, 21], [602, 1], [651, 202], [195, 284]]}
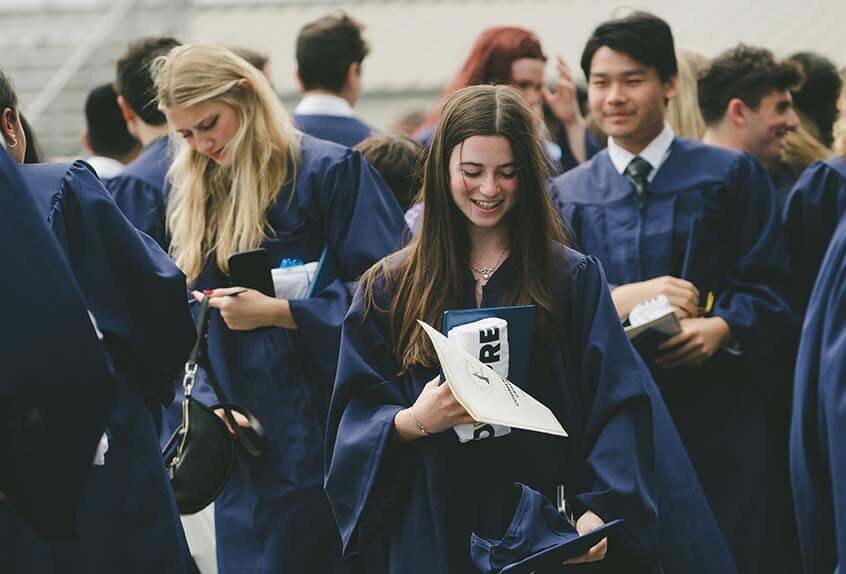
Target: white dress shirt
{"points": [[655, 153]]}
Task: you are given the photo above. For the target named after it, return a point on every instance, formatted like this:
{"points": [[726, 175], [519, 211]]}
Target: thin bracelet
{"points": [[416, 422]]}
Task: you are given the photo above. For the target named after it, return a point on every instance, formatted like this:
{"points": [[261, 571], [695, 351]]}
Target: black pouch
{"points": [[200, 454]]}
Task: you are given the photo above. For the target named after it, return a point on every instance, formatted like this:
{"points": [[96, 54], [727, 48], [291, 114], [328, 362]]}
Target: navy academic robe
{"points": [[411, 507], [732, 411], [344, 130], [141, 190], [818, 430], [273, 515], [813, 209], [57, 382], [128, 519]]}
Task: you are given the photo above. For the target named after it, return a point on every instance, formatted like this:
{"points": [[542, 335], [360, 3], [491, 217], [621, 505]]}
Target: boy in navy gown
{"points": [[106, 137], [330, 51], [140, 190], [54, 397], [744, 95], [817, 450], [675, 217]]}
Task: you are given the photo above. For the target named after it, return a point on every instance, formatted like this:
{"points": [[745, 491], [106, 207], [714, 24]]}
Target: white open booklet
{"points": [[488, 397]]}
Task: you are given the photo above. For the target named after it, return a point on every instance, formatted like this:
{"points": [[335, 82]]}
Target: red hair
{"points": [[490, 62]]}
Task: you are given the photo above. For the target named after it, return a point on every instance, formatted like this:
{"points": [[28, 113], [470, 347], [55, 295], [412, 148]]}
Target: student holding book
{"points": [[243, 178], [667, 215], [405, 492]]}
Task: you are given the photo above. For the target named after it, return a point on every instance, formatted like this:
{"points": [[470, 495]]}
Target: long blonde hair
{"points": [[683, 113], [804, 146], [223, 209]]}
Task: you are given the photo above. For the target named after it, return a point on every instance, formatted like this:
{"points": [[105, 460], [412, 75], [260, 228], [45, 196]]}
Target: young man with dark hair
{"points": [[105, 137], [395, 156], [139, 190], [673, 217], [330, 51], [745, 100]]}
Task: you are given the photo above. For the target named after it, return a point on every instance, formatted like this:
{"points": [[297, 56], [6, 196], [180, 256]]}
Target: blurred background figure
{"points": [[396, 158], [683, 113], [106, 138], [33, 154], [408, 121], [258, 60], [510, 55], [330, 51]]}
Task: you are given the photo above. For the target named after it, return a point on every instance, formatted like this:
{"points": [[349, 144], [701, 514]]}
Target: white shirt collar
{"points": [[655, 153], [323, 105], [105, 167]]}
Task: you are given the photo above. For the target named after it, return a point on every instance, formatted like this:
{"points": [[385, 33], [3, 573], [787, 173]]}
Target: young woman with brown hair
{"points": [[406, 494]]}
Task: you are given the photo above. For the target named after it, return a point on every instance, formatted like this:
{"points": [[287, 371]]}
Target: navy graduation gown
{"points": [[817, 449], [344, 130], [410, 508], [813, 209], [273, 516], [141, 190], [732, 411], [128, 519], [57, 382]]}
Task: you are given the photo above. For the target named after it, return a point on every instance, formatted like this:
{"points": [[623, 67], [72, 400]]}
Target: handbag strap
{"points": [[252, 439]]}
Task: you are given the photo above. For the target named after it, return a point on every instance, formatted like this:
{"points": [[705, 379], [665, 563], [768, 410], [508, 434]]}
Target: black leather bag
{"points": [[200, 453]]}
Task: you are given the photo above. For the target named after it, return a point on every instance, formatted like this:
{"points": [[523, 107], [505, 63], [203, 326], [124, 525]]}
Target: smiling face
{"points": [[207, 127], [627, 98], [767, 126], [483, 181]]}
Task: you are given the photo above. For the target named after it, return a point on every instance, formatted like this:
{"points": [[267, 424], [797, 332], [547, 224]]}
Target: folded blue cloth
{"points": [[536, 526]]}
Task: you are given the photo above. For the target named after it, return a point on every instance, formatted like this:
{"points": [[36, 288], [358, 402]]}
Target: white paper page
{"points": [[488, 397]]}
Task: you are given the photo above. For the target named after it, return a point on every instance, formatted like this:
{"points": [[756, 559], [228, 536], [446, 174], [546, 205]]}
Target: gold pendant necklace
{"points": [[486, 272]]}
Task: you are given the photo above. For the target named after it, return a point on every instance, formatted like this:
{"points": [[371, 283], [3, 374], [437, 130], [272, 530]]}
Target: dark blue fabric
{"points": [[128, 521], [141, 190], [344, 130], [536, 526], [273, 516], [813, 209], [623, 458], [57, 382], [568, 160], [732, 411], [818, 430]]}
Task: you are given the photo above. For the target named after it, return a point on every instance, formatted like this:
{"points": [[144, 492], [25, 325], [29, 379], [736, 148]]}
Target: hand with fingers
{"points": [[247, 309], [698, 340], [564, 102], [683, 295], [240, 420], [434, 411], [588, 522]]}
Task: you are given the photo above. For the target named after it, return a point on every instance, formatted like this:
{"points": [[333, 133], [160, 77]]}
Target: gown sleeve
{"points": [[136, 293], [362, 222], [57, 383], [810, 216], [635, 467], [143, 204], [757, 301], [366, 398]]}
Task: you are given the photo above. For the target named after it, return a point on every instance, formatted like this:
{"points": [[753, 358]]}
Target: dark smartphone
{"points": [[251, 269]]}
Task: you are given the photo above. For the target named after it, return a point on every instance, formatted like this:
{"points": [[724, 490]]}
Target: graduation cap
{"points": [[538, 538]]}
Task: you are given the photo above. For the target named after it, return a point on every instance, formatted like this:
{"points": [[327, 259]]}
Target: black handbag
{"points": [[200, 453]]}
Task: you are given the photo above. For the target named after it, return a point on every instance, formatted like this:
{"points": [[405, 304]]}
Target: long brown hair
{"points": [[431, 274]]}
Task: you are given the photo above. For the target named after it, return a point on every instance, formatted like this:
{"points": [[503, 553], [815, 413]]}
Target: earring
{"points": [[14, 143]]}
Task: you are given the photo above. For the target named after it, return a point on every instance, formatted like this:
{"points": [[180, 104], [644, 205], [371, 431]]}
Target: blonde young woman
{"points": [[243, 178]]}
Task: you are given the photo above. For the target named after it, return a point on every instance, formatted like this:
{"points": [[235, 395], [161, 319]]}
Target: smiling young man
{"points": [[670, 216], [745, 100]]}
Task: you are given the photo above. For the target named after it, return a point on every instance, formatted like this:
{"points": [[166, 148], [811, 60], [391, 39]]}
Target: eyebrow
{"points": [[624, 73], [474, 164]]}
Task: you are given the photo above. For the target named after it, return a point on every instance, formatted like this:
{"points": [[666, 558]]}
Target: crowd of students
{"points": [[717, 184]]}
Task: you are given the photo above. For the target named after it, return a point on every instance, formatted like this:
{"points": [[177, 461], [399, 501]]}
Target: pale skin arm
{"points": [[683, 295], [588, 522], [436, 409], [698, 340], [247, 309], [565, 105]]}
